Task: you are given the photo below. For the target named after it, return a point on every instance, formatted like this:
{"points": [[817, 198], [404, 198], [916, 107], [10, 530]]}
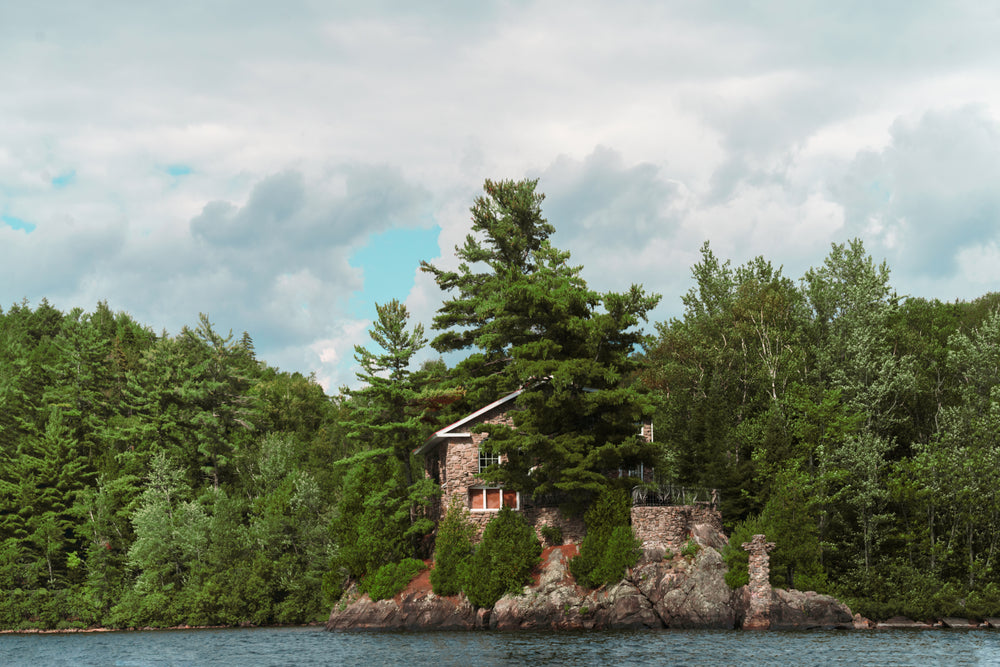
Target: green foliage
{"points": [[145, 482], [162, 479], [386, 419], [452, 549], [621, 552], [524, 313], [372, 524], [503, 561], [735, 558], [690, 549], [391, 578], [609, 546], [552, 534]]}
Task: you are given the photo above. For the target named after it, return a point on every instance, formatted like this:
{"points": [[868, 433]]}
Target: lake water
{"points": [[313, 646]]}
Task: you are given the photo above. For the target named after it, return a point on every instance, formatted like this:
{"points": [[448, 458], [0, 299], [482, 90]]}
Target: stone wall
{"points": [[573, 528], [459, 459], [669, 527]]}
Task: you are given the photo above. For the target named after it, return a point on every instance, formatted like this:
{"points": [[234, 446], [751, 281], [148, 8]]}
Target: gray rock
{"points": [[689, 595], [415, 611], [678, 593], [800, 610], [900, 622], [622, 606]]}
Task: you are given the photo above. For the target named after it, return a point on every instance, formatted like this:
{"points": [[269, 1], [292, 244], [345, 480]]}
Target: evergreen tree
{"points": [[386, 416], [386, 409], [530, 322]]}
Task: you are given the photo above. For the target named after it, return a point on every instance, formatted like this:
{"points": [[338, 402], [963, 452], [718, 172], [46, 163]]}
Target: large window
{"points": [[491, 499]]}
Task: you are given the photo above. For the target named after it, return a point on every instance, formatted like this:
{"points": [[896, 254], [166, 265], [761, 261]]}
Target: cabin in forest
{"points": [[454, 458]]}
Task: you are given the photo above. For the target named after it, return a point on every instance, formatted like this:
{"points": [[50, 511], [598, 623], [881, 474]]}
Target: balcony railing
{"points": [[646, 495]]}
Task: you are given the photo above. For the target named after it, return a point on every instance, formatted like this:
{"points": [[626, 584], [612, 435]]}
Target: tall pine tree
{"points": [[530, 322]]}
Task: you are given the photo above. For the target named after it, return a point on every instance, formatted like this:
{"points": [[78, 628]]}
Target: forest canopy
{"points": [[178, 479]]}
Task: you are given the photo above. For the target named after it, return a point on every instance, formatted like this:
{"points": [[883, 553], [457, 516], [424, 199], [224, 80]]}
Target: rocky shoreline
{"points": [[658, 593]]}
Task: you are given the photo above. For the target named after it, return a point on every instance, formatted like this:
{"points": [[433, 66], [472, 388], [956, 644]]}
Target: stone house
{"points": [[454, 458]]}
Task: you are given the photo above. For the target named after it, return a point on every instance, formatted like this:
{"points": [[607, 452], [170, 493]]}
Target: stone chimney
{"points": [[759, 615]]}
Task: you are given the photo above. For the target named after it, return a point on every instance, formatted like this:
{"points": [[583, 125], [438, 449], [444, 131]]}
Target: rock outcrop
{"points": [[411, 611], [658, 593], [690, 593], [805, 609]]}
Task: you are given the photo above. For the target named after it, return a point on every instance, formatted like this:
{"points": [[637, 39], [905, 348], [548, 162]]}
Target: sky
{"points": [[284, 166]]}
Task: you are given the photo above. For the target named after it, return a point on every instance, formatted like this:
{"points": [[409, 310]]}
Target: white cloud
{"points": [[930, 193], [769, 129]]}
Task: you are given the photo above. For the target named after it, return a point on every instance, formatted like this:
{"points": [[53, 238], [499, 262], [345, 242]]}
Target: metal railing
{"points": [[646, 495]]}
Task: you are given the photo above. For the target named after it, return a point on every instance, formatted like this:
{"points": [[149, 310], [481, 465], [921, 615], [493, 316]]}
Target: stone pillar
{"points": [[759, 615]]}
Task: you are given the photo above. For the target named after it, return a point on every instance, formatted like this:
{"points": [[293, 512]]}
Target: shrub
{"points": [[452, 549], [690, 549], [603, 554], [621, 552], [504, 560], [391, 579], [736, 559], [552, 534]]}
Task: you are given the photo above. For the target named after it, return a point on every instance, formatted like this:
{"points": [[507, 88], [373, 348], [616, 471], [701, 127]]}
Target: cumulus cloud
{"points": [[930, 193], [209, 157], [609, 214]]}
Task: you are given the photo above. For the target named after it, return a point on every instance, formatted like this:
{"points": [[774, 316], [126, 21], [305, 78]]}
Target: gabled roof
{"points": [[455, 430]]}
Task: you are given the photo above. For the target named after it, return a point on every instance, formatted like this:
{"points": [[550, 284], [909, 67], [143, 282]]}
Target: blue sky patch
{"points": [[17, 223], [390, 261], [178, 169], [64, 179]]}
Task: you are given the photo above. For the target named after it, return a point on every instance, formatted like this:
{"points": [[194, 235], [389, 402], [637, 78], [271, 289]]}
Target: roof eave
{"points": [[449, 432]]}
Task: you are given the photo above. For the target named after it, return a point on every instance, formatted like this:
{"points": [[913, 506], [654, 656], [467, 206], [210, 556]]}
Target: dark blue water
{"points": [[311, 646]]}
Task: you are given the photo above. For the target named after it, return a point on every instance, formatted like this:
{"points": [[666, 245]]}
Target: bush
{"points": [[504, 560], [737, 560], [391, 579], [690, 549], [452, 549], [552, 534], [621, 553], [609, 546]]}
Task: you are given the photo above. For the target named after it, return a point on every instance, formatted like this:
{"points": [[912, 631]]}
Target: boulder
{"points": [[622, 606], [689, 594], [800, 610], [549, 605], [418, 610]]}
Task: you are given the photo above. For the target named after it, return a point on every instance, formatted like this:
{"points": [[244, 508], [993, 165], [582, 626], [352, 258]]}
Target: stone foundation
{"points": [[669, 527], [573, 528]]}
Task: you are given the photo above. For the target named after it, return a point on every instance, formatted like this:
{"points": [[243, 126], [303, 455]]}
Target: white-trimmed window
{"points": [[492, 498], [486, 459]]}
